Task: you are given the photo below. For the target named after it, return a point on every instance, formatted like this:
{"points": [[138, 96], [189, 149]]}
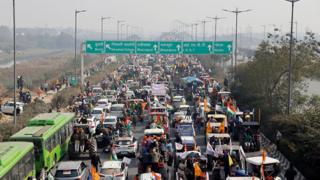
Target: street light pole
{"points": [[102, 19], [127, 30], [118, 23], [236, 12], [290, 58], [14, 64], [191, 31], [204, 29], [215, 25], [121, 32], [76, 12], [196, 32]]}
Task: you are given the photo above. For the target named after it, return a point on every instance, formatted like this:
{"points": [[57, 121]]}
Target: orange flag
{"points": [[143, 105], [222, 127], [95, 174]]}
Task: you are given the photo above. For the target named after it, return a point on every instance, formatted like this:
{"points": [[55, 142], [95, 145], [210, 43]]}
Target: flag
{"points": [[143, 105], [94, 173], [158, 118], [197, 170], [264, 155], [178, 146], [114, 156], [208, 128], [222, 127], [230, 160], [210, 150], [156, 176], [230, 147], [102, 118], [231, 110], [156, 99]]}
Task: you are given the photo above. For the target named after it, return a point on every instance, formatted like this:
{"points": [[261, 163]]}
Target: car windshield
{"points": [[110, 171], [96, 111], [66, 173], [116, 108], [124, 142], [110, 120], [102, 103], [184, 108]]}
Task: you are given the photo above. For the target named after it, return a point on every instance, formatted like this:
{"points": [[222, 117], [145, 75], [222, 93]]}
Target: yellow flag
{"points": [[230, 160]]}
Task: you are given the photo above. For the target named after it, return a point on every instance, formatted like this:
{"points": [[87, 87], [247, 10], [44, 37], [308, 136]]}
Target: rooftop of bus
{"points": [[11, 152], [42, 125]]}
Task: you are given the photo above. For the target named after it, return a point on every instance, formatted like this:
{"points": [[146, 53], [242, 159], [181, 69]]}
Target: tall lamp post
{"points": [[290, 58], [236, 12], [118, 23], [76, 12], [215, 25], [121, 32], [196, 31], [14, 63], [204, 29], [102, 19]]}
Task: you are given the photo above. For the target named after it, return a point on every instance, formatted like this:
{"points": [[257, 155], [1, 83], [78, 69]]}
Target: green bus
{"points": [[17, 160], [50, 134]]}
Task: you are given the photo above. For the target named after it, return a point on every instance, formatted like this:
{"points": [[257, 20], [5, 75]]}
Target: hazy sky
{"points": [[158, 15]]}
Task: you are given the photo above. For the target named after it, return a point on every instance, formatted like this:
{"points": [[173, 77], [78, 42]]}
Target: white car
{"points": [[104, 104], [148, 176], [111, 120], [116, 170], [126, 146], [96, 112], [97, 91], [8, 107]]}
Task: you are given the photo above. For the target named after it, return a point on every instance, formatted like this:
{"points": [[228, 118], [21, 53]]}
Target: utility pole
{"points": [[216, 25], [118, 23], [127, 30], [204, 29], [290, 58], [191, 37], [76, 12], [14, 63], [102, 19], [236, 12], [121, 32], [196, 31]]}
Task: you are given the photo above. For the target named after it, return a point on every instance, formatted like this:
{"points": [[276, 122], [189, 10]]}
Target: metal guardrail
{"points": [[271, 148]]}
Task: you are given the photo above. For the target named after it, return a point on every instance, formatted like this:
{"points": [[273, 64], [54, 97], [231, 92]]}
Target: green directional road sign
{"points": [[197, 47], [158, 47], [172, 47], [120, 47], [222, 47], [147, 47], [95, 47]]}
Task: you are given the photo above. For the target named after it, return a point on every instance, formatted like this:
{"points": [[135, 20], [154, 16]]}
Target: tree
{"points": [[264, 81]]}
